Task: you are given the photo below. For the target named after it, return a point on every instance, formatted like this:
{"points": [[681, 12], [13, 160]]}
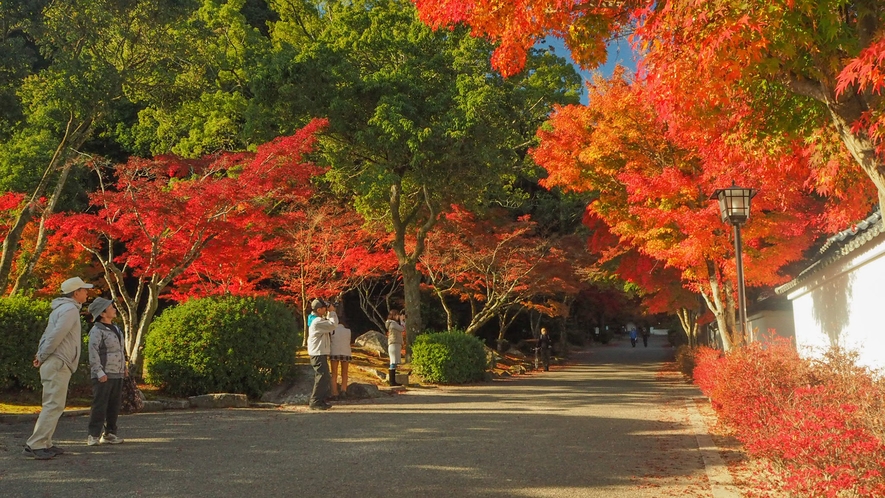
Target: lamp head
{"points": [[734, 203]]}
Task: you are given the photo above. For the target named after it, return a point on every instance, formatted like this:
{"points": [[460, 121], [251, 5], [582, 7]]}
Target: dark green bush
{"points": [[22, 322], [449, 357], [228, 344], [685, 360]]}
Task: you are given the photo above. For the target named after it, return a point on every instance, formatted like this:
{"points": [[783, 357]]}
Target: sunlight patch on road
{"points": [[360, 440], [165, 439], [462, 472], [550, 491]]}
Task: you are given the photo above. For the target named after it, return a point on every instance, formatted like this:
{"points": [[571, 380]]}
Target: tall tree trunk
{"points": [[844, 112], [450, 317], [713, 298], [689, 321], [412, 293], [368, 288], [305, 306], [28, 267], [535, 324], [401, 222], [72, 139], [859, 145], [505, 320]]}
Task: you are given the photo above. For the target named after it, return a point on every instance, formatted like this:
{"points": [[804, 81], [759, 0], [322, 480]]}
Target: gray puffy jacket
{"points": [[106, 353]]}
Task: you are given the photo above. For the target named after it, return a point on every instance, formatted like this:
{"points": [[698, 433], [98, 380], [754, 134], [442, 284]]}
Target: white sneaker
{"points": [[92, 441], [111, 439]]}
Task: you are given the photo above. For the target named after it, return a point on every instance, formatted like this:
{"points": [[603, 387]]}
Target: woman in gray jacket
{"points": [[107, 363]]}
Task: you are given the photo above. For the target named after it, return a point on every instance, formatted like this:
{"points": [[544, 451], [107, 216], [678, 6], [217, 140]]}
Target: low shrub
{"points": [[685, 360], [22, 322], [819, 421], [228, 344], [449, 357]]}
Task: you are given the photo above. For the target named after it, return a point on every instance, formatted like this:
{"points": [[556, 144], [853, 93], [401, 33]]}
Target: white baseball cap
{"points": [[72, 284]]}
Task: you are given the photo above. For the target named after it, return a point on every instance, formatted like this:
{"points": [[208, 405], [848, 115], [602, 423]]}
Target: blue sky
{"points": [[619, 52]]}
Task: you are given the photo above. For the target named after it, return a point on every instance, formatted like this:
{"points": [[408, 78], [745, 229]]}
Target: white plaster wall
{"points": [[766, 323], [844, 304]]}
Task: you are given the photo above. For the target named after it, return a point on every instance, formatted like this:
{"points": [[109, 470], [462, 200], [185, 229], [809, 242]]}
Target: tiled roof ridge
{"points": [[873, 221], [839, 246]]}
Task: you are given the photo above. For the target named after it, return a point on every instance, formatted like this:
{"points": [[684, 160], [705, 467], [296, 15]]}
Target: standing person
{"points": [[394, 344], [57, 357], [645, 332], [107, 364], [322, 321], [404, 351], [545, 345], [633, 336], [340, 355]]}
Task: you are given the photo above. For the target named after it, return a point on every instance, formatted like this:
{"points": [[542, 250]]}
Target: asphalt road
{"points": [[607, 426]]}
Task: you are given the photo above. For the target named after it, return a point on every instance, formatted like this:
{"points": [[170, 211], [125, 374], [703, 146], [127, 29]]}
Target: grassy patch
{"points": [[30, 401]]}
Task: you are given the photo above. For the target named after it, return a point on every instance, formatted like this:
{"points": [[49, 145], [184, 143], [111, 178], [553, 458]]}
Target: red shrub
{"points": [[820, 422]]}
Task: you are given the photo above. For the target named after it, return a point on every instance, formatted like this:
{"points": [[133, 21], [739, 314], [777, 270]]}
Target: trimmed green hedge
{"points": [[229, 344], [449, 357], [22, 322]]}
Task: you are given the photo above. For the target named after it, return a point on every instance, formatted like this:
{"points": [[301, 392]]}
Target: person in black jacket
{"points": [[644, 332], [545, 345]]}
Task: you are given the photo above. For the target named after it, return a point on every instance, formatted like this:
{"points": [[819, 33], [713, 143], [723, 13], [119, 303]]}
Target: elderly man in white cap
{"points": [[57, 358]]}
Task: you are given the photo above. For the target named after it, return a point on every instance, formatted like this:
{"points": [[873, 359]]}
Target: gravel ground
{"points": [[606, 425]]}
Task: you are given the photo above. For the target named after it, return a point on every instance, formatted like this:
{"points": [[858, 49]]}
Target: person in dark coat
{"points": [[107, 365], [545, 346]]}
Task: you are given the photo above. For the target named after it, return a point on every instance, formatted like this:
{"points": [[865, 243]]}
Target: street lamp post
{"points": [[734, 206]]}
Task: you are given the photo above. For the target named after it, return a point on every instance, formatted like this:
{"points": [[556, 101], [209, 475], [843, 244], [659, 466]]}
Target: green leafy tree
{"points": [[418, 119], [78, 67]]}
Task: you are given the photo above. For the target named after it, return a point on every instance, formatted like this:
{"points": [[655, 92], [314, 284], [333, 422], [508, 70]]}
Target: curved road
{"points": [[609, 425]]}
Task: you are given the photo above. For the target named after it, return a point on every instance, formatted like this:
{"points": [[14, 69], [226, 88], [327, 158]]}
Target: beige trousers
{"points": [[55, 376]]}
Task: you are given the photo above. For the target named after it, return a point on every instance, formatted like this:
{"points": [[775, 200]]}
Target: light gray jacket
{"points": [[106, 353], [394, 332], [62, 335], [319, 332]]}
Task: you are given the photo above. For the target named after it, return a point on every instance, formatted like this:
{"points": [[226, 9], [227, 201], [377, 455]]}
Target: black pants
{"points": [[645, 340], [107, 398], [545, 359], [322, 380]]}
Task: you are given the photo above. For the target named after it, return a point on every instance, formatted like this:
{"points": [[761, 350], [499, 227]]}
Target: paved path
{"points": [[607, 426]]}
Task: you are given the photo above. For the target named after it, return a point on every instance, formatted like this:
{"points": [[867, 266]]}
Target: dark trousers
{"points": [[322, 380], [645, 340], [107, 397], [545, 359]]}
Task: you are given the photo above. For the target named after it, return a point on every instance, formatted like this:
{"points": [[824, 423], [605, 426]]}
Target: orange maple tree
{"points": [[811, 69], [653, 190]]}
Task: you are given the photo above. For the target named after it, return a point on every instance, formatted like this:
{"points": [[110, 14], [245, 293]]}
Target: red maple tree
{"points": [[503, 267], [331, 250], [163, 216]]}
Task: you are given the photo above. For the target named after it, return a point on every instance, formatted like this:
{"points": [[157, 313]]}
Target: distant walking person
{"points": [[645, 332], [341, 355], [545, 345], [107, 364], [394, 344], [321, 322], [633, 336], [57, 357]]}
